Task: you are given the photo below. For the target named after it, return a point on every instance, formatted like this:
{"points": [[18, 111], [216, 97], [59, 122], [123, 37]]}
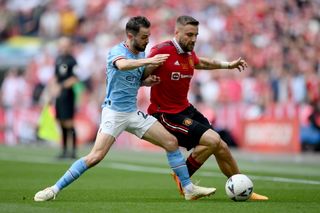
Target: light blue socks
{"points": [[175, 158], [178, 165], [76, 169]]}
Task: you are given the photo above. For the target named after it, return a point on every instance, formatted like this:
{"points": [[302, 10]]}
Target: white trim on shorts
{"points": [[114, 123]]}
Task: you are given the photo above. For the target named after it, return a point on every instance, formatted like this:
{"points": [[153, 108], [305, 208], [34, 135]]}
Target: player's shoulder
{"points": [[163, 45], [117, 48], [116, 52]]}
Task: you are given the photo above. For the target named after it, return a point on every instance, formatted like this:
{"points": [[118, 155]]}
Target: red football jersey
{"points": [[170, 95]]}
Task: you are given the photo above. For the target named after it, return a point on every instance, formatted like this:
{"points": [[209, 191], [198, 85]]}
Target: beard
{"points": [[187, 48], [138, 47]]}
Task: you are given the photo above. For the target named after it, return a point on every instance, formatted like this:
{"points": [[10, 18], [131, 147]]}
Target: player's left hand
{"points": [[151, 80], [240, 64]]}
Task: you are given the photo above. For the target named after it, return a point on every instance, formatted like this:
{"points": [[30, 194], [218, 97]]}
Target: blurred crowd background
{"points": [[280, 40]]}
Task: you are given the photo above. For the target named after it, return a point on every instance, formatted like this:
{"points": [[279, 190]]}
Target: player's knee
{"points": [[215, 142], [223, 145], [171, 143], [93, 158]]}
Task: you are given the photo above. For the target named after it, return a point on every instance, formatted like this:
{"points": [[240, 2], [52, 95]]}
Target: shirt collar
{"points": [[177, 46]]}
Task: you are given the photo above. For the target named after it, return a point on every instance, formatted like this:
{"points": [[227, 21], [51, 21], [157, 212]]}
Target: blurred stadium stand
{"points": [[279, 39]]}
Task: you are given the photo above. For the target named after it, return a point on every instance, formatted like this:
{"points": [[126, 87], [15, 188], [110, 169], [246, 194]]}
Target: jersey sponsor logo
{"points": [[131, 78], [175, 76], [187, 122]]}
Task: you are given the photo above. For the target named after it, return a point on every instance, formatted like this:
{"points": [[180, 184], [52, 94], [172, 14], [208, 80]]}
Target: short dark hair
{"points": [[185, 20], [134, 24]]}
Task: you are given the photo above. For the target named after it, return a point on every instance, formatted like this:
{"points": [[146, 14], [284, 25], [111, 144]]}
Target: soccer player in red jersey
{"points": [[170, 105]]}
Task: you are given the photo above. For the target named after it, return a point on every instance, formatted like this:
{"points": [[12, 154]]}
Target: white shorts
{"points": [[114, 123]]}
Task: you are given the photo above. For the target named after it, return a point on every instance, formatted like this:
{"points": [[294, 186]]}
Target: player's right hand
{"points": [[158, 59]]}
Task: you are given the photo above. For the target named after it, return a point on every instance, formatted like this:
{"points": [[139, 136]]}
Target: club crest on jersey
{"points": [[191, 62], [187, 122]]}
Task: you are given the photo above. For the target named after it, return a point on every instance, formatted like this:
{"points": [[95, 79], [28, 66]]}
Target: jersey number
{"points": [[142, 114]]}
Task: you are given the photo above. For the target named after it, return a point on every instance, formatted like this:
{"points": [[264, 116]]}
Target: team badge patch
{"points": [[108, 125], [187, 122], [191, 62]]}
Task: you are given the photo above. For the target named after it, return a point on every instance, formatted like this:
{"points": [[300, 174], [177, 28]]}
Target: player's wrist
{"points": [[148, 61], [225, 65]]}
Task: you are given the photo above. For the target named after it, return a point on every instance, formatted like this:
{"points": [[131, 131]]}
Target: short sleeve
{"points": [[114, 55], [195, 58]]}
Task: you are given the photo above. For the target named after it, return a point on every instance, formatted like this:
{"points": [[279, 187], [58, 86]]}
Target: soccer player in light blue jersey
{"points": [[126, 64]]}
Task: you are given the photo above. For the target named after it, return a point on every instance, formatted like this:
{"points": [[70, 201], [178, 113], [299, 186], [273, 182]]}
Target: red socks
{"points": [[192, 165]]}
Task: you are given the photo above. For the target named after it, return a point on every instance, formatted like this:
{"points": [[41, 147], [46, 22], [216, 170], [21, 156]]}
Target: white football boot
{"points": [[198, 192], [45, 195]]}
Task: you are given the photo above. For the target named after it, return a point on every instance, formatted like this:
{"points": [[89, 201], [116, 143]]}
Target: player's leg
{"points": [[100, 149], [189, 126], [188, 130], [198, 134], [98, 152], [148, 128], [104, 140], [197, 157], [193, 130], [158, 135], [211, 141]]}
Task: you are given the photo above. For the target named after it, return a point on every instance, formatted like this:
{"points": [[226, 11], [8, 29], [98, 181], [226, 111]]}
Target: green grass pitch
{"points": [[133, 181]]}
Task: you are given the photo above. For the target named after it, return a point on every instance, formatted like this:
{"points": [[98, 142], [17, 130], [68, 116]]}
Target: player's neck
{"points": [[130, 47]]}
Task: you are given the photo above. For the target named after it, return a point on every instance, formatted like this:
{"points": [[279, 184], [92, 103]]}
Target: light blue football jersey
{"points": [[122, 86]]}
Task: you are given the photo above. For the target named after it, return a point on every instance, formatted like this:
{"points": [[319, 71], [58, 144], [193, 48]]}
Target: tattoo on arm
{"points": [[207, 64]]}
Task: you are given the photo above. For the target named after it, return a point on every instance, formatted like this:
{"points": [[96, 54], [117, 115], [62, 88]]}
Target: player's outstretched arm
{"points": [[129, 64], [158, 59], [211, 64]]}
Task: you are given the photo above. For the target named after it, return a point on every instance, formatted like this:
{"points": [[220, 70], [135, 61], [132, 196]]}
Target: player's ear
{"points": [[130, 35], [176, 31]]}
